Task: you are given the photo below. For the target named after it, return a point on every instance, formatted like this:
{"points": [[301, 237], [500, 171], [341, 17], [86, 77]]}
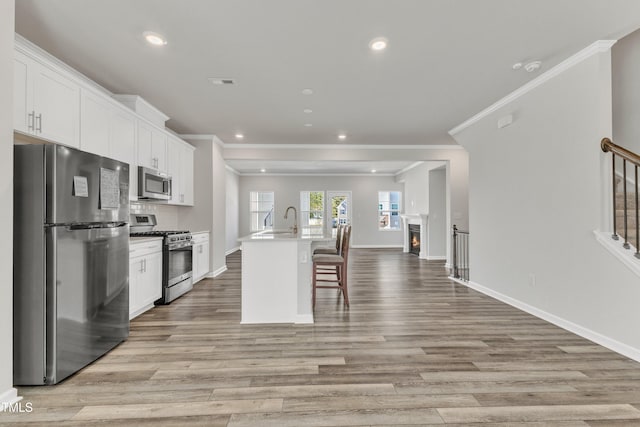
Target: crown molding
{"points": [[595, 48], [315, 174], [232, 170], [340, 147], [408, 168], [203, 137]]}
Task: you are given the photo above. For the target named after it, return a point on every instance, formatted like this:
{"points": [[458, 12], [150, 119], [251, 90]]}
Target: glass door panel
{"points": [[338, 210]]}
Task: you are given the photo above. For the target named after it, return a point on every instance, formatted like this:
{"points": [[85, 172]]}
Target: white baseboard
{"points": [[232, 250], [219, 271], [611, 344], [377, 246], [447, 265], [436, 258], [10, 396], [304, 318]]}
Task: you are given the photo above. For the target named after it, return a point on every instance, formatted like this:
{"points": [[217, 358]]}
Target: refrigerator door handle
{"points": [[92, 225]]}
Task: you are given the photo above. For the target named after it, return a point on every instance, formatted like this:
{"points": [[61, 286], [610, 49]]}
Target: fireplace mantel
{"points": [[420, 219]]}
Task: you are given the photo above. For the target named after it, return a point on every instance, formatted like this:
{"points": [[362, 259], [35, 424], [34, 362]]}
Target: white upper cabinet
{"points": [[152, 147], [54, 102], [110, 131], [122, 144], [46, 104], [173, 169], [186, 175], [95, 115], [180, 167]]}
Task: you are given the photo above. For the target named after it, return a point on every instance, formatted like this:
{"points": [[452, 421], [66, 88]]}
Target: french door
{"points": [[339, 209]]}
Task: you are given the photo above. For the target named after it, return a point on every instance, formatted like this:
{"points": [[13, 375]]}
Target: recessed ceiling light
{"points": [[342, 136], [373, 171], [308, 125], [517, 65], [379, 43], [221, 81], [532, 66], [239, 136], [154, 38], [307, 91], [308, 110], [263, 170]]}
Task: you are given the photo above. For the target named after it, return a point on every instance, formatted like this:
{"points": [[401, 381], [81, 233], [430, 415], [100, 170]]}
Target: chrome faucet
{"points": [[295, 218]]}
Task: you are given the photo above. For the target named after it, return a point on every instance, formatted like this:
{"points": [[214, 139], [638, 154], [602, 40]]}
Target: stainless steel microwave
{"points": [[153, 184]]}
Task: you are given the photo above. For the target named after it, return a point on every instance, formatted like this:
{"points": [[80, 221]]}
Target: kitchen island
{"points": [[276, 276]]}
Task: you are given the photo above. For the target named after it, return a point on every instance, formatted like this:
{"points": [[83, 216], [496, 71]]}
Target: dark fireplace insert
{"points": [[414, 239]]}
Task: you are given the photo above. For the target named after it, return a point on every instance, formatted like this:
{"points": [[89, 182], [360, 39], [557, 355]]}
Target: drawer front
{"points": [[144, 248], [200, 238]]}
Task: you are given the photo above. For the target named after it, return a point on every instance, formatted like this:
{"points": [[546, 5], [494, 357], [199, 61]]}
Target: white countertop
{"points": [[283, 235], [200, 232]]}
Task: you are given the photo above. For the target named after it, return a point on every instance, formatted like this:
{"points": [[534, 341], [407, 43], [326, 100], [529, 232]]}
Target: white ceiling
{"points": [[446, 60]]}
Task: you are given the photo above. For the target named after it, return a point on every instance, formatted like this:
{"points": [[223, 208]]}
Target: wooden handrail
{"points": [[608, 146], [627, 156]]}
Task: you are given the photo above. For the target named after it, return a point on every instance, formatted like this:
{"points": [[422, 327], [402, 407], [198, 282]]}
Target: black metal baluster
{"points": [[455, 251], [624, 186], [613, 180], [467, 272], [637, 254]]}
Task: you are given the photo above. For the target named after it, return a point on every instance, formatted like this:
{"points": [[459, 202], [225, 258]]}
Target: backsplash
{"points": [[167, 216]]}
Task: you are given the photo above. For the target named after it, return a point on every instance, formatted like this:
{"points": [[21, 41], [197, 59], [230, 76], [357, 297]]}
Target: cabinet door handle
{"points": [[141, 266], [145, 265], [39, 123], [182, 198], [31, 120]]}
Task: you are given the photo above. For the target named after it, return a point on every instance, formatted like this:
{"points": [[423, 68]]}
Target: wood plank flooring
{"points": [[413, 349]]}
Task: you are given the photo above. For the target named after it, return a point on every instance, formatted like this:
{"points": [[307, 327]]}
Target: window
{"points": [[311, 212], [389, 203], [261, 210]]}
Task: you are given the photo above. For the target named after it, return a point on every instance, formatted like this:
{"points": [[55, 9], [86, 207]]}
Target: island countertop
{"points": [[285, 235]]}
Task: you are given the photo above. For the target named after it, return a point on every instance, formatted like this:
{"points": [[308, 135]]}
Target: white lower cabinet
{"points": [[200, 256], [145, 275]]}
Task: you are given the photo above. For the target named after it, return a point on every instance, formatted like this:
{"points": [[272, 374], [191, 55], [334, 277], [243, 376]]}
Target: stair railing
{"points": [[460, 254], [627, 156]]}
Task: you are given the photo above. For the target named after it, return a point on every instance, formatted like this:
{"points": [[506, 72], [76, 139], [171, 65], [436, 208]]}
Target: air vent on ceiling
{"points": [[221, 81]]}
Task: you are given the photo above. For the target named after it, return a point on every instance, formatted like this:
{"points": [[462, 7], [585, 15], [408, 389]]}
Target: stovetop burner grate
{"points": [[157, 233]]}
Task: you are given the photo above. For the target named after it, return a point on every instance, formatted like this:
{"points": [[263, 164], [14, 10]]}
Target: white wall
{"points": [[232, 214], [456, 157], [416, 188], [437, 221], [209, 196], [537, 194], [219, 243], [425, 188], [625, 56], [364, 191], [7, 14]]}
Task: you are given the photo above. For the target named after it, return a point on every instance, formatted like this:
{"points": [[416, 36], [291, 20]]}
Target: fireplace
{"points": [[414, 238]]}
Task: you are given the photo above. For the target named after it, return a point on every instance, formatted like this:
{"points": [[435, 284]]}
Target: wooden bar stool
{"points": [[331, 250], [338, 262]]}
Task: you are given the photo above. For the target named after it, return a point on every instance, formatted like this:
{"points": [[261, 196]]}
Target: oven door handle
{"points": [[178, 246]]}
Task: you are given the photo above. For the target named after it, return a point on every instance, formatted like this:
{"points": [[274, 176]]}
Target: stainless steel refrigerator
{"points": [[71, 260]]}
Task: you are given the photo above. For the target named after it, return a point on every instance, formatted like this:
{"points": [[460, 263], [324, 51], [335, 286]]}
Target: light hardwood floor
{"points": [[414, 348]]}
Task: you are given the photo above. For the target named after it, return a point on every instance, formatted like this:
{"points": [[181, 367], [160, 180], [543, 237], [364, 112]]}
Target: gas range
{"points": [[176, 255], [170, 236]]}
